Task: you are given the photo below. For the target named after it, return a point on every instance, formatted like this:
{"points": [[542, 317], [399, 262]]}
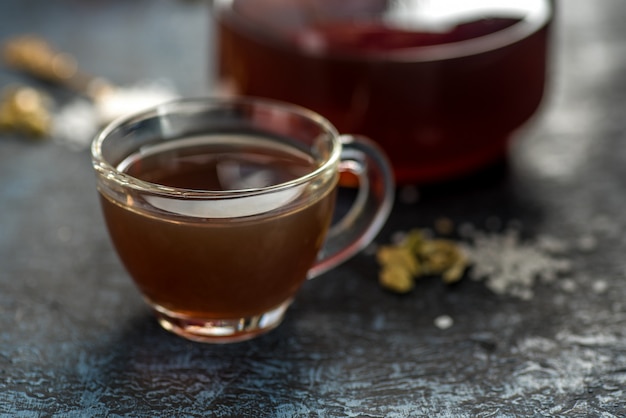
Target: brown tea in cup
{"points": [[214, 264], [220, 209]]}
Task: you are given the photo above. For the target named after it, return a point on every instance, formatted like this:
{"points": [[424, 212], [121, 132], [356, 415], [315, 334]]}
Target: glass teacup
{"points": [[220, 209]]}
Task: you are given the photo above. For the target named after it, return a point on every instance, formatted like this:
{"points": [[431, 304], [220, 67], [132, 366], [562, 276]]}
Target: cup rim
{"points": [[453, 50], [106, 169]]}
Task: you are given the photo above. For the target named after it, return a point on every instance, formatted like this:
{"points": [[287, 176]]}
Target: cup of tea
{"points": [[220, 209], [441, 85]]}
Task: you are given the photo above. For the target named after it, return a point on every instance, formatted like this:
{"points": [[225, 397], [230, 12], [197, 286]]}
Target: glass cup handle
{"points": [[374, 201]]}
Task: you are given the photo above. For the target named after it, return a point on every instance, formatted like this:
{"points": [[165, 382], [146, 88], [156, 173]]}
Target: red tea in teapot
{"points": [[440, 85]]}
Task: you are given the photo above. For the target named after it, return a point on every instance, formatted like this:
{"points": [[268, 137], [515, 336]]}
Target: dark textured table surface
{"points": [[77, 340]]}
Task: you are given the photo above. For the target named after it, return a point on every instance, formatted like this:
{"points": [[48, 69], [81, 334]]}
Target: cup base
{"points": [[220, 331]]}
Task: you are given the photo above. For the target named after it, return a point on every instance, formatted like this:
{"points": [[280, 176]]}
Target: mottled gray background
{"points": [[76, 339]]}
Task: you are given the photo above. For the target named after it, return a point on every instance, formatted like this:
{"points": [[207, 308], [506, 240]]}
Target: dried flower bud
{"points": [[416, 256], [398, 256], [25, 110], [396, 279]]}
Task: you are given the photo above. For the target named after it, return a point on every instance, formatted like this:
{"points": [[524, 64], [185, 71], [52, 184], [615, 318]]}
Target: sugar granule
{"points": [[75, 124], [599, 286], [443, 322], [511, 266]]}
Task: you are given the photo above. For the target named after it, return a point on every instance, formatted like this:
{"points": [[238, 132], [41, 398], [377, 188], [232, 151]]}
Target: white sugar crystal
{"points": [[510, 266], [443, 322], [75, 125], [123, 101], [551, 245], [600, 286]]}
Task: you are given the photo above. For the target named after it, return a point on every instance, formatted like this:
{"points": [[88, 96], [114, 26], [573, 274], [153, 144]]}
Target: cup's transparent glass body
{"points": [[221, 208], [442, 85]]}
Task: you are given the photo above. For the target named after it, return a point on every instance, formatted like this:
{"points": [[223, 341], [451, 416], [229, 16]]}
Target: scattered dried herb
{"points": [[416, 256], [26, 111], [506, 263]]}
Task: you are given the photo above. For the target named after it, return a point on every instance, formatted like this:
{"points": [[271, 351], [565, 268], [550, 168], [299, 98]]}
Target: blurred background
{"points": [[172, 42], [104, 36], [76, 336]]}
